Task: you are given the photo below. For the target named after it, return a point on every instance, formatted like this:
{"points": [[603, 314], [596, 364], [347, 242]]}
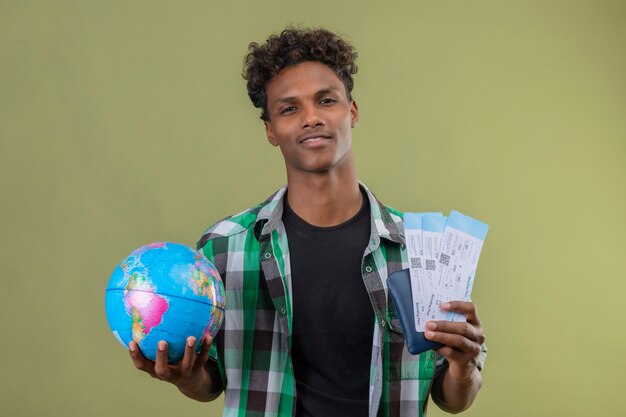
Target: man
{"points": [[309, 327]]}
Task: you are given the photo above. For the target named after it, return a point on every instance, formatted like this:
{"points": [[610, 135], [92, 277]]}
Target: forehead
{"points": [[302, 79]]}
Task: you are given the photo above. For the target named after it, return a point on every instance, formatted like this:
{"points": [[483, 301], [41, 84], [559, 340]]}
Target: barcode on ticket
{"points": [[416, 263], [430, 264]]}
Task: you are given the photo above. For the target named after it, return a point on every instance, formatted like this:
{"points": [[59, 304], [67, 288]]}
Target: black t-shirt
{"points": [[333, 319]]}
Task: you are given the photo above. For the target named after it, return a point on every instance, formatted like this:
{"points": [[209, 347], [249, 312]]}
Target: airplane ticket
{"points": [[443, 256], [459, 252]]}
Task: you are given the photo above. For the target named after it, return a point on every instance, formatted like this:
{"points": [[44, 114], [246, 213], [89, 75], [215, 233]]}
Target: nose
{"points": [[311, 118]]}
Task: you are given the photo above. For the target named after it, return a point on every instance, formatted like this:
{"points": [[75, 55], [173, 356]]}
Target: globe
{"points": [[164, 291]]}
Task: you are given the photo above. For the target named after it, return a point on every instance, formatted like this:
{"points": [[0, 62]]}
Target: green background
{"points": [[127, 122]]}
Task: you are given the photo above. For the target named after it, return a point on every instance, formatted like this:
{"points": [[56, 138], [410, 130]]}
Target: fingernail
{"points": [[190, 342], [445, 306], [161, 345], [132, 346], [430, 334], [431, 325]]}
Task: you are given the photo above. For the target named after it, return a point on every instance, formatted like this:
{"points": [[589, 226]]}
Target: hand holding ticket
{"points": [[443, 257]]}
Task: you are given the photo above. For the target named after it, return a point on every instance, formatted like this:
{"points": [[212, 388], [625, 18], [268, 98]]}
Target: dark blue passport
{"points": [[399, 286]]}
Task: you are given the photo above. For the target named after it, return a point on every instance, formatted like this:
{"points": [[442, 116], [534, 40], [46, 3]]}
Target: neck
{"points": [[324, 199]]}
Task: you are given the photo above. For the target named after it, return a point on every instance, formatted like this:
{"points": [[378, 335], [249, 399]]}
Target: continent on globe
{"points": [[205, 287], [145, 307], [200, 273]]}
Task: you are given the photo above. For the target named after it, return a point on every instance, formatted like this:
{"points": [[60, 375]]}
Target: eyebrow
{"points": [[318, 93]]}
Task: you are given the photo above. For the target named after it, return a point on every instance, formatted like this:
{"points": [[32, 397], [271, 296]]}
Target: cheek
{"points": [[346, 125], [283, 132], [286, 148]]}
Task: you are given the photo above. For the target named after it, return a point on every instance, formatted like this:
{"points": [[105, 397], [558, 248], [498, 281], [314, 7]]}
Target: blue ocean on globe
{"points": [[164, 291]]}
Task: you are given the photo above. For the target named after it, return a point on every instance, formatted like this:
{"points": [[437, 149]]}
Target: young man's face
{"points": [[311, 118]]}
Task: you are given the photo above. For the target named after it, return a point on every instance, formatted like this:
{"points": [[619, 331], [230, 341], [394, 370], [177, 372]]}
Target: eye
{"points": [[327, 101], [287, 109]]}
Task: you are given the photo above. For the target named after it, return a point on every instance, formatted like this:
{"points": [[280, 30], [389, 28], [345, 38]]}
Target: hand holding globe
{"points": [[165, 303], [195, 376]]}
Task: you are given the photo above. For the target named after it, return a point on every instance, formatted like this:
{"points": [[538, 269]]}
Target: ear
{"points": [[354, 113], [269, 132]]}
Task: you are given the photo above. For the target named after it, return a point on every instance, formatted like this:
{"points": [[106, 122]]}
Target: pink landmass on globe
{"points": [[152, 313], [144, 306]]}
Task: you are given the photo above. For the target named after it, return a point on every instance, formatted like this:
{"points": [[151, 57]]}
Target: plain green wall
{"points": [[127, 122]]}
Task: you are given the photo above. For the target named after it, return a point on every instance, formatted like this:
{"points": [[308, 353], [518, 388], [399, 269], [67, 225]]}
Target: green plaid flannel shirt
{"points": [[252, 349]]}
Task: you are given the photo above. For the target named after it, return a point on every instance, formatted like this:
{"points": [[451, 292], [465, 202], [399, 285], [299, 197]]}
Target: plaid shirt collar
{"points": [[383, 225]]}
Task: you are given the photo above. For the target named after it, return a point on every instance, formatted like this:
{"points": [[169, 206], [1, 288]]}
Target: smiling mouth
{"points": [[314, 139]]}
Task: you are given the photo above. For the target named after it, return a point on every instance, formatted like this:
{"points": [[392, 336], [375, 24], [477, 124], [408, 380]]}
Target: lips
{"points": [[313, 138]]}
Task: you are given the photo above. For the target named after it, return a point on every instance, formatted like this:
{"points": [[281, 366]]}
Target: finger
{"points": [[161, 367], [190, 355], [454, 341], [139, 360], [460, 363], [450, 354], [203, 357], [467, 308], [465, 329]]}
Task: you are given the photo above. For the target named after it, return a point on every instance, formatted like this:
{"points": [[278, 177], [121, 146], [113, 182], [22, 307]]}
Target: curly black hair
{"points": [[291, 47]]}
